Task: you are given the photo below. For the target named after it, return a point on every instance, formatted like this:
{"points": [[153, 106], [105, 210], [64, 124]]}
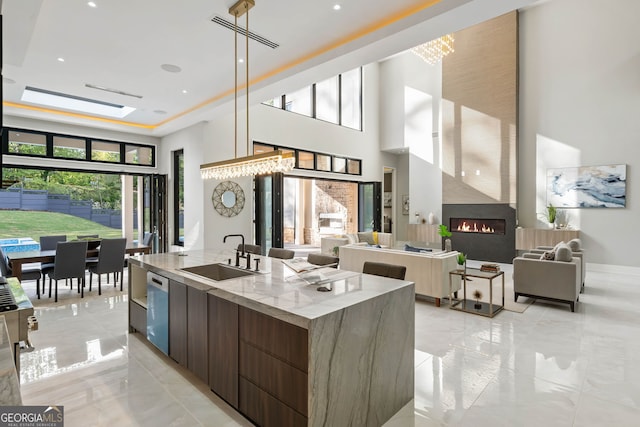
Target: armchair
{"points": [[558, 281]]}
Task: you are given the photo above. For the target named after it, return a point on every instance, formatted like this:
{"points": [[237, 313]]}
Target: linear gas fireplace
{"points": [[477, 225], [484, 232]]}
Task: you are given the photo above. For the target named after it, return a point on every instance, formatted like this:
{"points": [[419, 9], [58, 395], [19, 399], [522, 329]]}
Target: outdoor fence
{"points": [[41, 200]]}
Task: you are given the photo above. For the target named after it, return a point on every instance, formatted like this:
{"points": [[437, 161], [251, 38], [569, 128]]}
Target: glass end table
{"points": [[488, 309]]}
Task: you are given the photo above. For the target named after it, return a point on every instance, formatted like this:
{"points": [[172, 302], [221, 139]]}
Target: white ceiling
{"points": [[121, 44]]}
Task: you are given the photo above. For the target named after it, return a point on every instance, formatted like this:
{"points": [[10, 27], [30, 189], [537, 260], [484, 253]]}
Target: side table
{"points": [[469, 305]]}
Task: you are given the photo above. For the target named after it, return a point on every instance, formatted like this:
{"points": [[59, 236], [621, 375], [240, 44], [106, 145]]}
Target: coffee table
{"points": [[470, 305]]}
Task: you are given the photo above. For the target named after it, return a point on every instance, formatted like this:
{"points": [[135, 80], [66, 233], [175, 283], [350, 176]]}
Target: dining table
{"points": [[18, 259]]}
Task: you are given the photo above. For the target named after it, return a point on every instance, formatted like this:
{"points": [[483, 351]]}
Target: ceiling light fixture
{"points": [[337, 7], [92, 4], [257, 164], [432, 52]]}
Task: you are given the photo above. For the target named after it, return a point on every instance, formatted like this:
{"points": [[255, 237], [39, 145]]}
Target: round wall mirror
{"points": [[228, 198]]}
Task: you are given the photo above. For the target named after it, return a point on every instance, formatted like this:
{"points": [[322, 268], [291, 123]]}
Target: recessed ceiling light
{"points": [[171, 68], [241, 60], [92, 4], [184, 91], [61, 59], [337, 7]]}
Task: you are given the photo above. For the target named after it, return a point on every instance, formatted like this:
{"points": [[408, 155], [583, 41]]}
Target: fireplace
{"points": [[477, 225], [484, 232]]}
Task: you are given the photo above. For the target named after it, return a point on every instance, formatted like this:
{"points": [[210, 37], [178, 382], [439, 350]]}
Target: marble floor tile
{"points": [[545, 366]]}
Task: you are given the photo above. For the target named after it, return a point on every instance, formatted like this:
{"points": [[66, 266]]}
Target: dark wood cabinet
{"points": [[178, 322], [273, 370], [197, 336], [223, 349]]}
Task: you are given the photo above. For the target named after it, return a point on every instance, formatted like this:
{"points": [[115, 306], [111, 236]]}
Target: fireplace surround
{"points": [[484, 232]]}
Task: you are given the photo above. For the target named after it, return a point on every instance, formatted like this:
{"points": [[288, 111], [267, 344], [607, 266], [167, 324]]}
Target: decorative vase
{"points": [[447, 245], [432, 218]]}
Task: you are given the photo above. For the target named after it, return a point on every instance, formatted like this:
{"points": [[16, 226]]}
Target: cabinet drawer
{"points": [[280, 339], [280, 380], [265, 410], [138, 317]]}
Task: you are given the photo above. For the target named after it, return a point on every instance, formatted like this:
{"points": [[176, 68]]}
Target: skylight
{"points": [[75, 103]]}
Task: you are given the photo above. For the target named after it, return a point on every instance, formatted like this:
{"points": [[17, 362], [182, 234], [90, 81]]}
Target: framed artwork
{"points": [[405, 204], [387, 199], [587, 187]]}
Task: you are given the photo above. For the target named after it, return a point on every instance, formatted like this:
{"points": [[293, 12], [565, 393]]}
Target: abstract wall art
{"points": [[587, 187]]}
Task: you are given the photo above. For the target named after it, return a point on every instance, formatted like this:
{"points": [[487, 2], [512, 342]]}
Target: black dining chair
{"points": [[69, 264], [385, 270], [110, 260], [48, 243], [29, 272], [281, 253], [320, 259]]}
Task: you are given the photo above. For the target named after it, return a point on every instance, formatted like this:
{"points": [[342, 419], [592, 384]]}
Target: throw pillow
{"points": [[555, 248], [564, 254], [352, 238], [375, 237], [548, 256], [366, 237], [574, 245]]}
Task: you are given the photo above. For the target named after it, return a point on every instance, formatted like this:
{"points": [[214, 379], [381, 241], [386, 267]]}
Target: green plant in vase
{"points": [[551, 213], [462, 259], [444, 232]]}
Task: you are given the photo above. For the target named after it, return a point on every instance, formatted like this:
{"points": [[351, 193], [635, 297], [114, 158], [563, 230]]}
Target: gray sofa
{"points": [[552, 280]]}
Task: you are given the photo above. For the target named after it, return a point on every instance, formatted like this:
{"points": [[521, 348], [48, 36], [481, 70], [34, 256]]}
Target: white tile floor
{"points": [[546, 366]]}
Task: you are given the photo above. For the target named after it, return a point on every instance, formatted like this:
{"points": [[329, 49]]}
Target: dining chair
{"points": [[252, 249], [87, 236], [110, 260], [281, 253], [48, 243], [319, 259], [29, 272], [385, 270], [69, 264]]}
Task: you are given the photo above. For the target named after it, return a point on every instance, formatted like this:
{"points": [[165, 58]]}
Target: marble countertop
{"points": [[9, 385], [276, 290]]}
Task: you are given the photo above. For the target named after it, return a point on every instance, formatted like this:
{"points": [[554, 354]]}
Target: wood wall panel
{"points": [[223, 349], [480, 114]]}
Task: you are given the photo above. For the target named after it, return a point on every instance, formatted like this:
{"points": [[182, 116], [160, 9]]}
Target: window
{"points": [[336, 100], [32, 144], [138, 155], [327, 100], [105, 151], [339, 164], [305, 160], [323, 162], [299, 101], [310, 160], [351, 99], [178, 197], [69, 148]]}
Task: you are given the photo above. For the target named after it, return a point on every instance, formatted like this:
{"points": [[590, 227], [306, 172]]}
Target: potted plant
{"points": [[444, 232], [462, 259], [551, 213]]}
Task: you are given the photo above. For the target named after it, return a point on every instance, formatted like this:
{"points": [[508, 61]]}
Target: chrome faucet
{"points": [[238, 254]]}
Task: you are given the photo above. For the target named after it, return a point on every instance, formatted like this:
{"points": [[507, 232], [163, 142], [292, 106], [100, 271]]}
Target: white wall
{"points": [[215, 142], [579, 105], [189, 140], [411, 94]]}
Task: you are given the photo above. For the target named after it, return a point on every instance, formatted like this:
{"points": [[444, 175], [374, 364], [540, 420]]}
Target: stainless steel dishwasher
{"points": [[158, 311]]}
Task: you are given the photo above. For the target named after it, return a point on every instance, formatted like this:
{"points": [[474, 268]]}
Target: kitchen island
{"points": [[279, 351]]}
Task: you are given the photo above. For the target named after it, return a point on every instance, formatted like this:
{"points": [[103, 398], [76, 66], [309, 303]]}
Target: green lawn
{"points": [[35, 224]]}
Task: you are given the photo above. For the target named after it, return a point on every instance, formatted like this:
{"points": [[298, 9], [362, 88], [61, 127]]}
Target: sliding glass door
{"points": [[369, 206], [269, 207]]}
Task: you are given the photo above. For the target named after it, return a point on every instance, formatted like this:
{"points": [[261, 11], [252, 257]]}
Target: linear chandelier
{"points": [[433, 51], [258, 164]]}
